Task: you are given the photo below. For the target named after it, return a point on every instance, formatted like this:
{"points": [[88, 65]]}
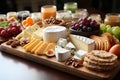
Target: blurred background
{"points": [[105, 6]]}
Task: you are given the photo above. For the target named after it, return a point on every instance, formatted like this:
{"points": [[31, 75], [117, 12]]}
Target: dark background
{"points": [[105, 6]]}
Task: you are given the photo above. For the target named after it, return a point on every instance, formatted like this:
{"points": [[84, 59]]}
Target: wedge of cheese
{"points": [[50, 46], [62, 54], [38, 34], [62, 42], [40, 49], [82, 43], [70, 47]]}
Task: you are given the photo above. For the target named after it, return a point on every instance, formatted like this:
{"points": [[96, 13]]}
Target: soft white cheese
{"points": [[62, 42], [83, 43], [80, 53], [53, 33], [61, 53], [70, 47]]}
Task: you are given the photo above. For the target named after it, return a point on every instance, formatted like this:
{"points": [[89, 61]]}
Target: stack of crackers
{"points": [[100, 60], [104, 42]]}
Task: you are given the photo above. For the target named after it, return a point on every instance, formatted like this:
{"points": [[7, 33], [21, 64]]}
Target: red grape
{"points": [[1, 28], [4, 33], [9, 30], [14, 30], [86, 24]]}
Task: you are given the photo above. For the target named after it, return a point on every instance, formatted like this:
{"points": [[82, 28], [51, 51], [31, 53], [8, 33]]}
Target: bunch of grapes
{"points": [[114, 30], [12, 30], [86, 25]]}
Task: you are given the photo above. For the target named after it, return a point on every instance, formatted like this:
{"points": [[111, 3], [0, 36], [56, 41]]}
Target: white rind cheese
{"points": [[70, 47], [61, 53], [53, 33], [62, 42], [83, 43]]}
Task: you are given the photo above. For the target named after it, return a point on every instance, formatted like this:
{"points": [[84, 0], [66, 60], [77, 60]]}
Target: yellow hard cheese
{"points": [[24, 47], [40, 49], [35, 48], [50, 46], [30, 46]]}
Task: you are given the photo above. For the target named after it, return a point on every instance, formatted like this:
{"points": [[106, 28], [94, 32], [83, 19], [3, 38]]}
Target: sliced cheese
{"points": [[29, 47], [82, 42], [38, 34], [62, 54], [27, 33], [53, 33], [50, 46], [35, 48], [24, 47], [41, 48]]}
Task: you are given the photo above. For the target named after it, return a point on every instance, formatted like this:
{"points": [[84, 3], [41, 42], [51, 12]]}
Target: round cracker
{"points": [[99, 59], [102, 43], [100, 63], [109, 40], [98, 68]]}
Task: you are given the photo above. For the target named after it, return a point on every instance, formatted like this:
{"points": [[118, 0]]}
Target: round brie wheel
{"points": [[53, 33]]}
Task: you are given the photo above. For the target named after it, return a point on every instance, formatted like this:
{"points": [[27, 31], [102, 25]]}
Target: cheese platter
{"points": [[52, 62], [83, 47]]}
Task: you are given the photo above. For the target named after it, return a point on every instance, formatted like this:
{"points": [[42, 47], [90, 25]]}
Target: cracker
{"points": [[98, 63], [99, 59], [98, 68], [108, 40], [102, 54], [94, 37]]}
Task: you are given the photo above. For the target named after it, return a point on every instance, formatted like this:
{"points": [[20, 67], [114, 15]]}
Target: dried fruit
{"points": [[50, 53]]}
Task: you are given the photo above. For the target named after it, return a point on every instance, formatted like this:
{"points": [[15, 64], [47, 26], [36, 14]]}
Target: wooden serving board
{"points": [[52, 62]]}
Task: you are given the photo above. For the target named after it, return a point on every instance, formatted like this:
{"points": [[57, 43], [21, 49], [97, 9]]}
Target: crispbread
{"points": [[102, 43], [108, 40], [110, 37], [98, 68], [102, 54], [94, 37], [86, 59], [98, 59]]}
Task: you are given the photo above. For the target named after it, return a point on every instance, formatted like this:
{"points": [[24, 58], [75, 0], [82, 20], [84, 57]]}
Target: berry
{"points": [[76, 25], [1, 28], [85, 24], [84, 28], [89, 29], [4, 33], [13, 30]]}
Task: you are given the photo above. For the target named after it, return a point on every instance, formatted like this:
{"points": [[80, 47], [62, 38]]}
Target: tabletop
{"points": [[16, 68]]}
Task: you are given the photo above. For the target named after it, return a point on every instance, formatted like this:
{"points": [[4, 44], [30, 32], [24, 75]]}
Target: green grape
{"points": [[109, 29], [108, 26], [103, 27], [116, 30], [117, 36]]}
